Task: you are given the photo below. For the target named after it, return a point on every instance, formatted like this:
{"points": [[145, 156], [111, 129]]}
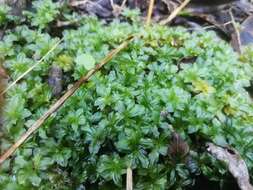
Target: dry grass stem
{"points": [[175, 13], [150, 12]]}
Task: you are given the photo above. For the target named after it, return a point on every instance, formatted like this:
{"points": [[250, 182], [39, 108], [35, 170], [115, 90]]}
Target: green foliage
{"points": [[5, 15], [4, 11], [131, 14], [46, 12], [65, 62], [115, 120], [84, 62]]}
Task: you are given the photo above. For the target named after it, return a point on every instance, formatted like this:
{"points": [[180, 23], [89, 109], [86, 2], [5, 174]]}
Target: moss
{"points": [[117, 119]]}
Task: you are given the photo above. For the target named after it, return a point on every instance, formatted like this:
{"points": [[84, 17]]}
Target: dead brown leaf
{"points": [[178, 148]]}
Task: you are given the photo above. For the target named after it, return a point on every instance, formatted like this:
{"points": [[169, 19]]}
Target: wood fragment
{"points": [[150, 12], [129, 180], [175, 13], [61, 101], [236, 165]]}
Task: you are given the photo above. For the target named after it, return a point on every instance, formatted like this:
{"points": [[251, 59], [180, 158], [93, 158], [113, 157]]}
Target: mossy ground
{"points": [[114, 121]]}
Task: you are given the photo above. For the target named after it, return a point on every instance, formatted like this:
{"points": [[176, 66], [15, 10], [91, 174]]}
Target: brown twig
{"points": [[112, 3], [209, 26], [237, 34], [116, 9], [123, 4], [150, 12], [60, 102], [175, 13], [129, 180]]}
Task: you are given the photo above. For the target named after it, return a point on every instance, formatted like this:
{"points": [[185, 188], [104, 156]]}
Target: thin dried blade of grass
{"points": [[236, 36], [123, 4], [117, 10], [61, 101], [175, 13], [150, 12], [31, 68], [129, 181]]}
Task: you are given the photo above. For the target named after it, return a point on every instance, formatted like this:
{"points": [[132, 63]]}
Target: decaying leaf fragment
{"points": [[178, 148], [55, 80], [236, 165], [129, 180]]}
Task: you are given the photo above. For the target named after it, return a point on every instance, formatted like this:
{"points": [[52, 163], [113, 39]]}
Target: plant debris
{"points": [[178, 148], [55, 80], [236, 165], [185, 84]]}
